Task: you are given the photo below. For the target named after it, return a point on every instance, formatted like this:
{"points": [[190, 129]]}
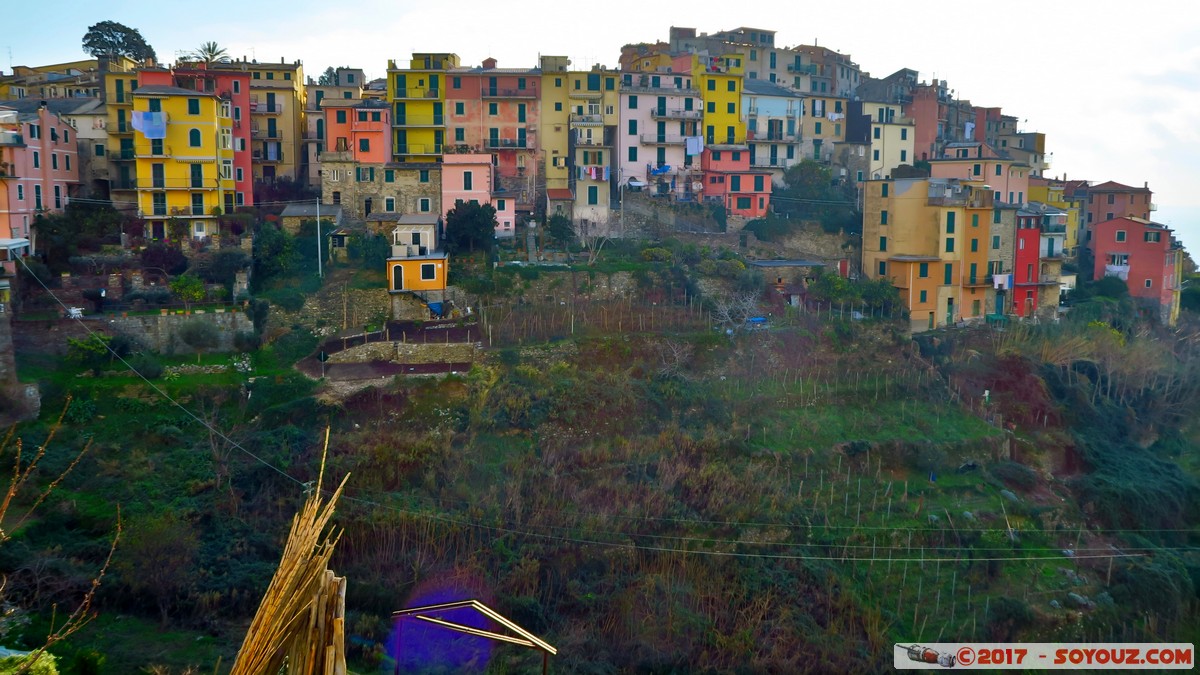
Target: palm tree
{"points": [[210, 52]]}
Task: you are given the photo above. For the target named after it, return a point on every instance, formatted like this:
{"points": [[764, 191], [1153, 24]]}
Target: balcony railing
{"points": [[262, 156], [675, 113], [772, 162], [159, 210], [119, 184], [598, 142], [419, 149], [500, 143], [11, 138], [585, 93], [1054, 229], [808, 68], [265, 133], [505, 92], [409, 250], [418, 92], [662, 139], [978, 281], [420, 121], [587, 120], [164, 151], [266, 108]]}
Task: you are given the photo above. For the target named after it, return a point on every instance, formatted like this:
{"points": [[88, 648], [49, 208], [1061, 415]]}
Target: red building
{"points": [[496, 111], [729, 180], [1146, 257]]}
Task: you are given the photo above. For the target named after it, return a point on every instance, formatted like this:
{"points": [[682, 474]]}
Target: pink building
{"points": [[471, 178], [659, 111], [729, 180], [497, 111], [1110, 200], [1146, 257], [39, 164], [980, 162]]}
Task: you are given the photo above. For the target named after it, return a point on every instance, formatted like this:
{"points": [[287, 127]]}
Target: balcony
{"points": [[600, 142], [265, 133], [267, 157], [266, 108], [420, 121], [409, 250], [144, 152], [506, 143], [585, 94], [975, 282], [119, 184], [773, 137], [1054, 229], [805, 69], [662, 139], [419, 149], [646, 85], [418, 93], [587, 120], [675, 114], [502, 92], [772, 162], [11, 138]]}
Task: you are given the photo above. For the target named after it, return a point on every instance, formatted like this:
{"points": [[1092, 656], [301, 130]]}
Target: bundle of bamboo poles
{"points": [[299, 627]]}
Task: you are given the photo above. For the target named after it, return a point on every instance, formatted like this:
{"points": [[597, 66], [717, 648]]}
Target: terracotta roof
{"points": [[1112, 186], [167, 89], [559, 194]]}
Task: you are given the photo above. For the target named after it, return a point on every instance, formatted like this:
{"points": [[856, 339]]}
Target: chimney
{"points": [[489, 63], [1146, 185]]}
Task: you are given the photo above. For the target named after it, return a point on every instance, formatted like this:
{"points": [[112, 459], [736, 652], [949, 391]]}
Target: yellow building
{"points": [[57, 80], [719, 79], [119, 82], [593, 98], [822, 125], [929, 237], [418, 266], [277, 118], [418, 99], [892, 138], [555, 121], [183, 151], [1052, 193]]}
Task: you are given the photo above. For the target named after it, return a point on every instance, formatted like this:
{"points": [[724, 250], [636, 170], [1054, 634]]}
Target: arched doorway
{"points": [[397, 278]]}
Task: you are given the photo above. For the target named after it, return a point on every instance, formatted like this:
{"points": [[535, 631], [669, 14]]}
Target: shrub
{"points": [[655, 254], [246, 341], [289, 299], [147, 366], [1014, 474], [166, 258]]}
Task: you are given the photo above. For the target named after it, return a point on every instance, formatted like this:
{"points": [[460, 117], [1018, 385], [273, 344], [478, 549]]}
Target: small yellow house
{"points": [[417, 264]]}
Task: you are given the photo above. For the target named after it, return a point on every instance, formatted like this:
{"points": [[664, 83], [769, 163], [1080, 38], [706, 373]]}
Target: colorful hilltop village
{"points": [[959, 210]]}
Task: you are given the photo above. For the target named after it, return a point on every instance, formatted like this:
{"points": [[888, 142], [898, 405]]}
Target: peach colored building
{"points": [[1110, 200], [471, 178], [981, 163], [1147, 257], [729, 181], [39, 165]]}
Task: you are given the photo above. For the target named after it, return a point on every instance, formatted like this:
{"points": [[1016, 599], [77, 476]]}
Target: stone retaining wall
{"points": [[400, 352]]}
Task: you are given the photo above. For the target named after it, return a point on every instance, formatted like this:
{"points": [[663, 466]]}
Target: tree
{"points": [[210, 52], [109, 38], [164, 259], [328, 78], [559, 229], [809, 193], [470, 225], [189, 289], [157, 559], [199, 335]]}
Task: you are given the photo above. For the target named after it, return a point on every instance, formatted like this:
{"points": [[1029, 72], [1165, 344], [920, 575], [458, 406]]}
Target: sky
{"points": [[1115, 86]]}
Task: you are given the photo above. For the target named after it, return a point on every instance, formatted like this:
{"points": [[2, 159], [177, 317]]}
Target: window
{"points": [[66, 135], [155, 105], [37, 160], [1108, 216], [1149, 284], [270, 76], [949, 244], [362, 115], [974, 220], [364, 145], [194, 138], [423, 204], [998, 170], [468, 180], [882, 268], [341, 117], [499, 205], [737, 156], [711, 107], [716, 155], [238, 173], [883, 217], [712, 85], [558, 106], [876, 132], [731, 85], [633, 153], [633, 103], [904, 134], [389, 175], [193, 106], [903, 155], [731, 108], [948, 274], [875, 155], [197, 175], [428, 272], [883, 189], [735, 183], [493, 109], [1112, 199], [459, 108], [593, 195], [633, 127], [950, 222], [1153, 237], [237, 87], [923, 270], [99, 149], [1120, 235], [976, 169], [54, 161], [817, 130], [423, 176], [924, 295], [389, 204], [883, 243], [456, 83], [758, 183], [974, 246], [995, 215], [20, 192], [743, 203]]}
